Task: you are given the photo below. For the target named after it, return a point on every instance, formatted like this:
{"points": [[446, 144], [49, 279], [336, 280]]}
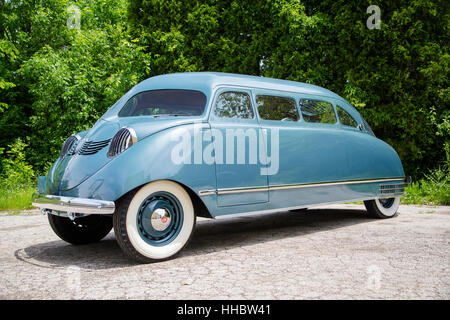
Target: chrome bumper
{"points": [[72, 205]]}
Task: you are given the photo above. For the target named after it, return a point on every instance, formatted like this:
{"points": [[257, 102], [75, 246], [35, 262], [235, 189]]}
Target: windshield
{"points": [[170, 102]]}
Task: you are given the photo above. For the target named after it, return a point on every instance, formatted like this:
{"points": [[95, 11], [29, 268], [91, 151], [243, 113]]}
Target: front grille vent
{"points": [[92, 147], [123, 139], [71, 151], [69, 146]]}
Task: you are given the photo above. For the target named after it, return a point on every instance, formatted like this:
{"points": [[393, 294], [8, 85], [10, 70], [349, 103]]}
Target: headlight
{"points": [[69, 145], [122, 140]]}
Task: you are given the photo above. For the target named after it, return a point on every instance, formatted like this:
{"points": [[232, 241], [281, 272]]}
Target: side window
{"points": [[345, 118], [234, 105], [277, 108], [317, 111]]}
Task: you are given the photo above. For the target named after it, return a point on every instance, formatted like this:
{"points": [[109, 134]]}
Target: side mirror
{"points": [[360, 127]]}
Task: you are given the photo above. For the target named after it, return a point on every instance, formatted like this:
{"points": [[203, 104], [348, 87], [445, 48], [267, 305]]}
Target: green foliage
{"points": [[433, 190], [18, 183], [16, 171], [17, 198], [8, 54], [72, 88], [66, 78]]}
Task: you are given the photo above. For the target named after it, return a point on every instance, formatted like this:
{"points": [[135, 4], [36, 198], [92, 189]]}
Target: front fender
{"points": [[148, 160]]}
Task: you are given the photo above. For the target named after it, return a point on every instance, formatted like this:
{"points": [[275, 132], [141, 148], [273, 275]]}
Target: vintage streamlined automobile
{"points": [[178, 146]]}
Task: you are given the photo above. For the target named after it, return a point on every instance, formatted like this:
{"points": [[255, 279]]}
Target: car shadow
{"points": [[209, 236]]}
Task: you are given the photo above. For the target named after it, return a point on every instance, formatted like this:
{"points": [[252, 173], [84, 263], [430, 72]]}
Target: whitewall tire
{"points": [[383, 208], [155, 222]]}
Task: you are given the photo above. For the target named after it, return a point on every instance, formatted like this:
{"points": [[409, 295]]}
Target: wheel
{"points": [[382, 208], [82, 230], [155, 222]]}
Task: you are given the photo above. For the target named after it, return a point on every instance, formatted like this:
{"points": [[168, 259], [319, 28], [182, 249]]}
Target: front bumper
{"points": [[72, 205]]}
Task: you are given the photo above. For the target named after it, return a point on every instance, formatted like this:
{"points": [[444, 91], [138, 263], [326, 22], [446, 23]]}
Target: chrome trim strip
{"points": [[324, 184], [71, 204], [292, 186], [241, 190], [206, 192]]}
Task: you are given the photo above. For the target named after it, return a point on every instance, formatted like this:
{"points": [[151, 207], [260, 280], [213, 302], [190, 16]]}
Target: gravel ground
{"points": [[329, 252]]}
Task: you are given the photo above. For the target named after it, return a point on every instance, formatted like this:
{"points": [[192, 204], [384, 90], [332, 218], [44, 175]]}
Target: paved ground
{"points": [[330, 252]]}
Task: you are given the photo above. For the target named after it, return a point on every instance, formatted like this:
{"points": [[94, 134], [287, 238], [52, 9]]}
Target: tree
{"points": [[396, 76], [8, 53], [72, 88], [65, 77]]}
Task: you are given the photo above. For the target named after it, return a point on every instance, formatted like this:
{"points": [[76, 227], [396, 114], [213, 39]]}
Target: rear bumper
{"points": [[72, 205]]}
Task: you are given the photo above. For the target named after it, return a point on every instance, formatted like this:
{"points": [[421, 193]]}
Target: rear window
{"points": [[277, 108], [317, 111], [165, 103]]}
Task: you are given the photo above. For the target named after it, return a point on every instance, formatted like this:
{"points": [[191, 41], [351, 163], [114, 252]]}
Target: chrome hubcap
{"points": [[160, 219]]}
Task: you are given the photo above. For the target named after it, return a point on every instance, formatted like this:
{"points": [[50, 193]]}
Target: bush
{"points": [[17, 178], [16, 171], [434, 189]]}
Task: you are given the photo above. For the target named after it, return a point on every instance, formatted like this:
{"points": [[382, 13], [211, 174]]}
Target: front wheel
{"points": [[383, 208], [155, 222]]}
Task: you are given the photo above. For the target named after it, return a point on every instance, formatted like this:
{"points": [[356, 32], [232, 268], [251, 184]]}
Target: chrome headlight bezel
{"points": [[122, 140]]}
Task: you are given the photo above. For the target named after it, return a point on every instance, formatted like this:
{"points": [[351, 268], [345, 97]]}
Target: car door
{"points": [[236, 134]]}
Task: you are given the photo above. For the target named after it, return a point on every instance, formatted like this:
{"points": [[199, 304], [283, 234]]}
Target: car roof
{"points": [[205, 81]]}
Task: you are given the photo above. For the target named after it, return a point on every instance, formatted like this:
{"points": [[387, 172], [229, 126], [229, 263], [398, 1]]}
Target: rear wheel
{"points": [[383, 208], [81, 230], [155, 222]]}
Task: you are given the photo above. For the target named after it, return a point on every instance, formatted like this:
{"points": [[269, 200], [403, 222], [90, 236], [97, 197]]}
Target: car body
{"points": [[234, 143]]}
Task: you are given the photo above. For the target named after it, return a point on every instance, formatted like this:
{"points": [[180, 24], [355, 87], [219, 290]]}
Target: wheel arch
{"points": [[200, 208]]}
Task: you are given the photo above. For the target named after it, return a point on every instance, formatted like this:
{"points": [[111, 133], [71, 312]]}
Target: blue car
{"points": [[178, 146]]}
